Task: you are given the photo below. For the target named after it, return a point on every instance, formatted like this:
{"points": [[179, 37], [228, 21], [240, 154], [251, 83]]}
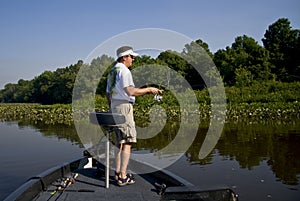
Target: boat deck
{"points": [[87, 186], [72, 181]]}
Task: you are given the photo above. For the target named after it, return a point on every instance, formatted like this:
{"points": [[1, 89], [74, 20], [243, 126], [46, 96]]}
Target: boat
{"points": [[84, 179]]}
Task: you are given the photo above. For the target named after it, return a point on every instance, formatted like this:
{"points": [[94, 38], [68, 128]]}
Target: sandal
{"points": [[130, 176], [117, 176], [125, 181]]}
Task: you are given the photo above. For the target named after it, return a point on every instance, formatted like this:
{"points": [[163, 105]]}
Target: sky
{"points": [[40, 35]]}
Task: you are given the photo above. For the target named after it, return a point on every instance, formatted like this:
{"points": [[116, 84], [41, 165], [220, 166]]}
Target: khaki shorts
{"points": [[125, 133]]}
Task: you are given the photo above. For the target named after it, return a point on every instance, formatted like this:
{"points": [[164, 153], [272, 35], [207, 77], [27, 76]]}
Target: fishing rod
{"points": [[63, 185], [69, 182]]}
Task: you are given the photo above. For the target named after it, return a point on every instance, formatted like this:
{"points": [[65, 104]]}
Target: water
{"points": [[27, 151], [259, 162]]}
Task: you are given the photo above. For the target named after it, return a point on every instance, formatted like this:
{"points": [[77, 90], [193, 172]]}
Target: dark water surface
{"points": [[258, 161], [26, 151]]}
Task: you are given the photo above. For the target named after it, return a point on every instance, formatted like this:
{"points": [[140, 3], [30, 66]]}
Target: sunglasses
{"points": [[132, 57]]}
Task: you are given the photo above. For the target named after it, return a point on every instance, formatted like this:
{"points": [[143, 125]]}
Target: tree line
{"points": [[243, 63]]}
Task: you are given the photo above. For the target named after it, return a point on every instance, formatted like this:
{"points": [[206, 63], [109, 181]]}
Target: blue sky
{"points": [[40, 35]]}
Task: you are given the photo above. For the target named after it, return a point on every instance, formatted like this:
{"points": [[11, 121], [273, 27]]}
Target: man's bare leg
{"points": [[118, 152], [125, 156]]}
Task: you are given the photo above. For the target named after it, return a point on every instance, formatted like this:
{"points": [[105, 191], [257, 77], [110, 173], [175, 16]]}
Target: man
{"points": [[120, 93]]}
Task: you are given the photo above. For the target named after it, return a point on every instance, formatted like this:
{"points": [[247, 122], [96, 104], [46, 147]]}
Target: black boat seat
{"points": [[106, 119]]}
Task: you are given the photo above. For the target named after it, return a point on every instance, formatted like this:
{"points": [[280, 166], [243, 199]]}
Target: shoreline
{"points": [[238, 112]]}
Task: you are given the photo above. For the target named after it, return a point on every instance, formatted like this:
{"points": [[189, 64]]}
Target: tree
{"points": [[147, 71], [23, 92], [102, 65], [143, 60], [43, 85], [283, 43], [174, 61], [201, 71], [64, 82], [224, 61], [243, 77], [245, 53], [7, 93], [55, 87], [195, 57]]}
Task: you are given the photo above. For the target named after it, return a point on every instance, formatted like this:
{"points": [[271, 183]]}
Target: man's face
{"points": [[128, 60]]}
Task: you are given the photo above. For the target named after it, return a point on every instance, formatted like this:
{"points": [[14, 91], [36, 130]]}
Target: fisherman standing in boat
{"points": [[120, 93]]}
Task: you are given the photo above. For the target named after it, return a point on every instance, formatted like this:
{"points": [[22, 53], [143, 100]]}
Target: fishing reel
{"points": [[157, 98]]}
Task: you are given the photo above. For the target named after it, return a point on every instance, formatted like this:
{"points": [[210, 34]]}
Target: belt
{"points": [[123, 101]]}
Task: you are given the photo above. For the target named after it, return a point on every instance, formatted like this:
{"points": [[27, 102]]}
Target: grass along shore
{"points": [[260, 102], [241, 112]]}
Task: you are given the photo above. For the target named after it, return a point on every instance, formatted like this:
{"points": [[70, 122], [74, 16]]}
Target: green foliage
{"points": [[144, 103], [104, 64], [199, 57], [35, 113], [245, 54], [257, 112], [243, 77], [92, 77], [101, 104], [264, 92], [274, 101], [174, 61], [283, 43], [47, 88]]}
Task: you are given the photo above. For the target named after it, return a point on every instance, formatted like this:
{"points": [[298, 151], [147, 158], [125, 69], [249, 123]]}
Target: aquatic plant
{"points": [[278, 102]]}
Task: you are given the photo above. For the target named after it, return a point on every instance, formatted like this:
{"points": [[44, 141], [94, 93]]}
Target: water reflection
{"points": [[60, 131], [284, 157], [249, 145]]}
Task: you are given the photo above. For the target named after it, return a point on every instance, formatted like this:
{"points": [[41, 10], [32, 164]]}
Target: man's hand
{"points": [[154, 90], [132, 91]]}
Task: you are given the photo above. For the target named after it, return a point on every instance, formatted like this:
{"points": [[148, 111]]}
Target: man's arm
{"points": [[132, 91]]}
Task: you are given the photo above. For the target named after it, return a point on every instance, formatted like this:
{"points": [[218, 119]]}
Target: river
{"points": [[258, 161]]}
